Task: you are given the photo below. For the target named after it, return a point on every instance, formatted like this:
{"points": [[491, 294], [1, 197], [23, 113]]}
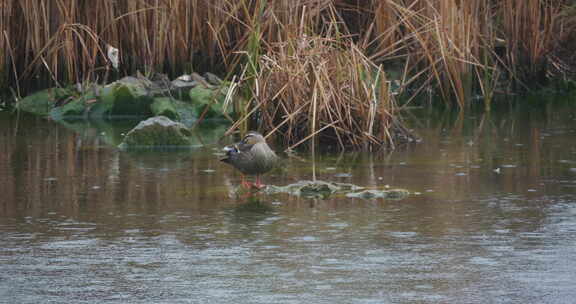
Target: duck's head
{"points": [[251, 138]]}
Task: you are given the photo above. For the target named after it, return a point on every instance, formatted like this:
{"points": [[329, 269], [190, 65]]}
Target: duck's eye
{"points": [[247, 139]]}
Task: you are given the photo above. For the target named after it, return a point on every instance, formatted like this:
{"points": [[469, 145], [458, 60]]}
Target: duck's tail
{"points": [[230, 152]]}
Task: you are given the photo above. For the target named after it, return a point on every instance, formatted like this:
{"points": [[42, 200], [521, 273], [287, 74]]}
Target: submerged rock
{"points": [[317, 189], [323, 189], [113, 132], [395, 194], [157, 133]]}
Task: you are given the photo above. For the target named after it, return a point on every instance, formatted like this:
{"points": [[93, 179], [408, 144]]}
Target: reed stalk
{"points": [[5, 10]]}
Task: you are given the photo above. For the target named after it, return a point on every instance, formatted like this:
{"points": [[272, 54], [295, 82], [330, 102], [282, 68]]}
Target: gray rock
{"points": [[182, 85], [213, 79], [201, 80]]}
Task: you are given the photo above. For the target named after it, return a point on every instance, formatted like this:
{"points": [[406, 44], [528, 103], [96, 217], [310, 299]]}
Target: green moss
{"points": [[157, 136], [186, 112], [157, 132], [42, 102], [75, 107], [163, 106], [202, 97], [131, 100]]}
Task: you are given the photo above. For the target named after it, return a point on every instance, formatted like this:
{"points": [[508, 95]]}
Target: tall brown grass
{"points": [[441, 43], [330, 61], [534, 29], [451, 45], [438, 40], [5, 9], [310, 86], [313, 82], [64, 39]]}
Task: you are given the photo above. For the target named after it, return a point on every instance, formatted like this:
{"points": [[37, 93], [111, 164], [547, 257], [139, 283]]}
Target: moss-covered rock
{"points": [[163, 106], [42, 102], [202, 97], [175, 109], [186, 112], [116, 99], [75, 107], [157, 133], [131, 99], [129, 96]]}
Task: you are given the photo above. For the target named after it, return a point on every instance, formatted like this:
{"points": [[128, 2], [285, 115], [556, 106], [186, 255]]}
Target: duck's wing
{"points": [[231, 151]]}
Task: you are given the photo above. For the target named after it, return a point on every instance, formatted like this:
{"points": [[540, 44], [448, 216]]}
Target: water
{"points": [[491, 219]]}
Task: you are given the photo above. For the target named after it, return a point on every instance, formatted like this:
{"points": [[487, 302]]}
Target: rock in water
{"points": [[157, 132]]}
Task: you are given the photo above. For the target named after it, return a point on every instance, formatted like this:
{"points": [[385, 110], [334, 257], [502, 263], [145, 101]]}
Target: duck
{"points": [[251, 156]]}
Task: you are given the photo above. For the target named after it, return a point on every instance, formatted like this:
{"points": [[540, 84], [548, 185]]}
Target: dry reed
{"points": [[309, 65], [318, 88], [452, 45], [439, 42], [315, 86], [443, 43]]}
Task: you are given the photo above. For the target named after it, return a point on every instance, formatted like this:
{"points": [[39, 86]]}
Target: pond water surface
{"points": [[491, 218]]}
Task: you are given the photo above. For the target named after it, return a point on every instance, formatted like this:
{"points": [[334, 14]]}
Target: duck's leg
{"points": [[258, 183], [244, 183]]}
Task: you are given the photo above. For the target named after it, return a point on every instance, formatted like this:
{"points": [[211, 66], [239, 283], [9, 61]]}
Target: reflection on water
{"points": [[491, 219]]}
